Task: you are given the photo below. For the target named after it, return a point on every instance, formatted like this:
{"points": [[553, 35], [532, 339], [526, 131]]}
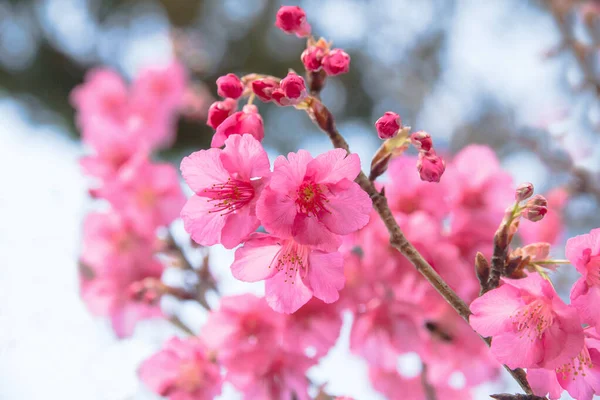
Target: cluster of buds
{"points": [[288, 91], [231, 88], [319, 55]]}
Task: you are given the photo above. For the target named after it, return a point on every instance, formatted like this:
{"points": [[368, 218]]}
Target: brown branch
{"points": [[323, 118], [506, 396], [181, 325]]}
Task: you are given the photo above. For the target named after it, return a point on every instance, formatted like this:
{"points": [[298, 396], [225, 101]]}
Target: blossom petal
{"points": [[237, 227], [586, 299], [289, 173], [203, 226], [492, 311], [325, 275], [286, 295], [517, 350], [348, 209], [309, 230], [544, 381], [203, 169], [333, 166], [245, 155], [254, 260], [276, 211]]}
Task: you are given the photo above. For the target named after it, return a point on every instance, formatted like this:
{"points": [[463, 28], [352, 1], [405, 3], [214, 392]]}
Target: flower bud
{"points": [[536, 208], [263, 88], [430, 166], [524, 191], [219, 111], [421, 140], [292, 20], [336, 62], [312, 58], [388, 125], [293, 86], [230, 86]]}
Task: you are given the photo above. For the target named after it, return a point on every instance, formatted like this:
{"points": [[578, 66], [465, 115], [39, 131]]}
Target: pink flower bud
{"points": [[524, 191], [293, 86], [421, 140], [536, 208], [263, 88], [312, 58], [430, 166], [388, 125], [278, 96], [336, 62], [292, 20], [219, 111], [230, 86]]}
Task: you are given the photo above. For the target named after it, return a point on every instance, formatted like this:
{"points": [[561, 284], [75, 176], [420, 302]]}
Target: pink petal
{"points": [[480, 155], [276, 211], [517, 350], [586, 299], [325, 275], [245, 155], [160, 371], [254, 260], [492, 311], [333, 166], [309, 230], [237, 227], [203, 168], [544, 381], [289, 173], [349, 209], [285, 295], [203, 226]]}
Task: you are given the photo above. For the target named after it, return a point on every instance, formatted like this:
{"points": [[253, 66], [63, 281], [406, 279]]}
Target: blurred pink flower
{"points": [[529, 324], [584, 253], [182, 370], [314, 200], [226, 184], [246, 121]]}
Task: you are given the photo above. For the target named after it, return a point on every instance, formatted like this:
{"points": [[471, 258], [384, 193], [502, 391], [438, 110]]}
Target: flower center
{"points": [[230, 196], [292, 258], [190, 377], [311, 199], [593, 269], [577, 366], [533, 319]]}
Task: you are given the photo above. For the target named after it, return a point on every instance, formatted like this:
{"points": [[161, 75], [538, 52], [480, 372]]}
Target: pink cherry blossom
{"points": [[580, 377], [336, 62], [230, 86], [584, 253], [388, 125], [109, 241], [529, 324], [226, 184], [550, 228], [246, 121], [148, 194], [293, 87], [312, 58], [108, 292], [314, 199], [292, 20], [244, 332], [293, 272], [219, 111], [182, 370]]}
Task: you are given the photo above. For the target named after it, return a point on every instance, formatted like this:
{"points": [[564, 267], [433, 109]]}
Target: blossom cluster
{"points": [[306, 226], [121, 125]]}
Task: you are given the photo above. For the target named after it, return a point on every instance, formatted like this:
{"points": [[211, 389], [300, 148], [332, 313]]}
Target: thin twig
{"points": [[175, 320], [427, 387]]}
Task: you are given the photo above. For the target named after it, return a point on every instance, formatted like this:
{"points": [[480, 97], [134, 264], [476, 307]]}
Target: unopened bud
{"points": [[312, 58], [421, 140], [336, 62], [388, 125], [292, 20], [536, 208], [482, 268], [219, 111], [430, 166], [524, 191], [293, 86], [230, 86], [263, 88]]}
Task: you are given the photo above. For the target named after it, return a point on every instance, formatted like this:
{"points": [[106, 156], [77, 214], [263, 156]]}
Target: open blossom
{"points": [[246, 121], [529, 324], [244, 332], [293, 272], [108, 292], [292, 20], [226, 184], [584, 253], [580, 376], [314, 199], [148, 194], [219, 111], [182, 370]]}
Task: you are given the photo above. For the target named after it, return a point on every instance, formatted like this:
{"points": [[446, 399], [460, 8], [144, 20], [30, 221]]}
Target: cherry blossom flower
{"points": [[336, 62], [388, 125], [584, 253], [293, 272], [529, 324], [230, 86], [246, 121], [314, 199], [108, 292], [182, 370], [148, 194], [292, 20], [226, 184]]}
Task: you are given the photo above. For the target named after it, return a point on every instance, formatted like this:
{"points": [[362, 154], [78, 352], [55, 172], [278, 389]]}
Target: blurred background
{"points": [[520, 76]]}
